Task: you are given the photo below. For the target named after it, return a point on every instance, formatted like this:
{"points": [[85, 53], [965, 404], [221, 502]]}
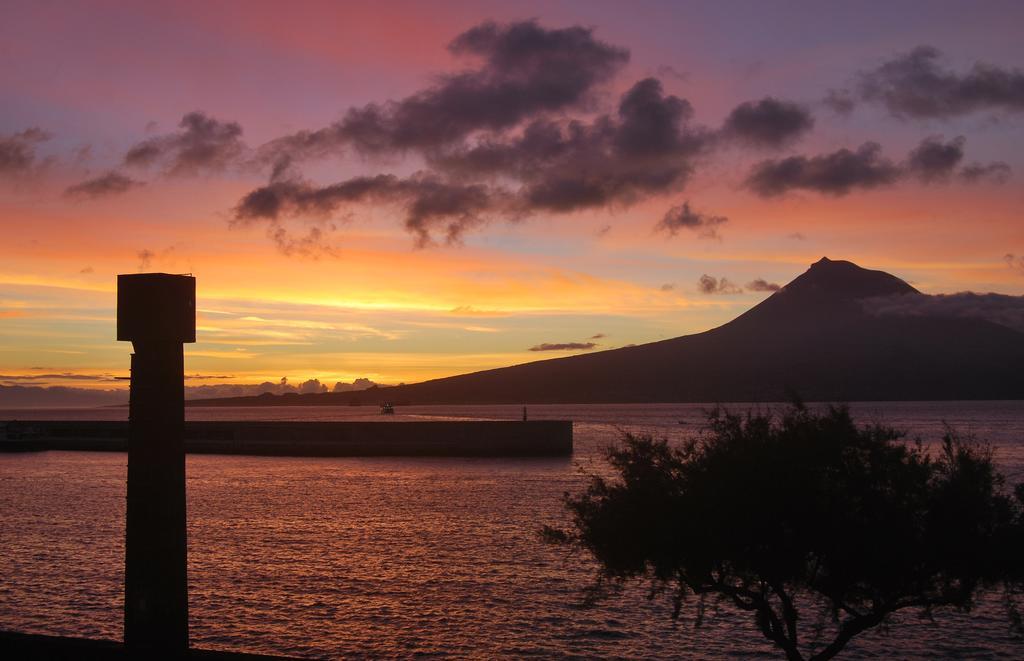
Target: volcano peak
{"points": [[845, 280]]}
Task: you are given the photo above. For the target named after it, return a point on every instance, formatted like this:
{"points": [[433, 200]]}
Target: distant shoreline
{"points": [[341, 399]]}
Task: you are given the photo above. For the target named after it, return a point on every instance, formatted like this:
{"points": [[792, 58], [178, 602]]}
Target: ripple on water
{"points": [[404, 557]]}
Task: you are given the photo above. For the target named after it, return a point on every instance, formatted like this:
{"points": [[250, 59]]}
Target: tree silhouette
{"points": [[802, 513]]}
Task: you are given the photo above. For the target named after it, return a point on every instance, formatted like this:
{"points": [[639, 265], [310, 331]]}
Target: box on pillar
{"points": [[156, 307]]}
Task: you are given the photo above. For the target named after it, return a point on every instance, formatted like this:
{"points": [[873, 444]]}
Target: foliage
{"points": [[784, 515]]}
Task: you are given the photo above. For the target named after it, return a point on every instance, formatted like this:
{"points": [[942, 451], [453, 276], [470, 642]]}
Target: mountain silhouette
{"points": [[816, 337]]}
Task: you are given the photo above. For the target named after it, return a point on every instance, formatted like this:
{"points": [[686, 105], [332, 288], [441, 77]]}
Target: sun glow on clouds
{"points": [[402, 316], [261, 333], [368, 303]]}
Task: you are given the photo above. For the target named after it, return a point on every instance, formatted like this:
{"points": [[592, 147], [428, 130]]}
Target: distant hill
{"points": [[817, 336]]}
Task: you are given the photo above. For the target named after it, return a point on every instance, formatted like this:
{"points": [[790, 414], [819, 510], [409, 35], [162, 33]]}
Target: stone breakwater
{"points": [[399, 438]]}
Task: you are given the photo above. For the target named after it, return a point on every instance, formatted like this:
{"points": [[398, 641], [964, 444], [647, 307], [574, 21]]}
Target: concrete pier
{"points": [[440, 438]]}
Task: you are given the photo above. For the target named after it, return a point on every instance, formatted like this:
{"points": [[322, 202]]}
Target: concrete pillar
{"points": [[156, 587], [156, 312]]}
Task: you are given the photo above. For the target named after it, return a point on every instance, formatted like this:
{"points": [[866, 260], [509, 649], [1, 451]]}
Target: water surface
{"points": [[332, 557]]}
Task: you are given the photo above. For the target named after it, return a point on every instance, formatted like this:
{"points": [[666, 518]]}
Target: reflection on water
{"points": [[391, 556]]}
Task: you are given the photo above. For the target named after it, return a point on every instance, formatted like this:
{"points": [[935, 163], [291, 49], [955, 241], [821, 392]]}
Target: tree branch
{"points": [[788, 610]]}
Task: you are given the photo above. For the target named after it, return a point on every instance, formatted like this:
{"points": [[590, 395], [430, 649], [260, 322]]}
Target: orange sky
{"points": [[375, 306]]}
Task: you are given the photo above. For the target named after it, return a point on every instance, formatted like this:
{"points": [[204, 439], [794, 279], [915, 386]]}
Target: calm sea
{"points": [[398, 557]]}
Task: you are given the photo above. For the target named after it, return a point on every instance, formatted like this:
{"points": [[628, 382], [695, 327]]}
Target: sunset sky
{"points": [[402, 191]]}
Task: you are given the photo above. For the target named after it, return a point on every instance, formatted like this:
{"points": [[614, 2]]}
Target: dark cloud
{"points": [[934, 160], [70, 376], [282, 198], [646, 148], [666, 71], [914, 85], [997, 172], [996, 308], [145, 258], [797, 236], [668, 286], [541, 144], [313, 244], [1015, 262], [833, 174], [110, 183], [768, 123], [83, 154], [564, 346], [599, 336], [524, 70], [683, 217], [311, 386], [653, 124], [358, 384], [519, 133], [18, 150], [709, 284], [840, 101], [431, 204], [201, 144], [516, 136], [760, 284]]}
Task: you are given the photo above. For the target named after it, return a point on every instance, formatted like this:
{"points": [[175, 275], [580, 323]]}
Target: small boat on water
{"points": [[387, 408]]}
